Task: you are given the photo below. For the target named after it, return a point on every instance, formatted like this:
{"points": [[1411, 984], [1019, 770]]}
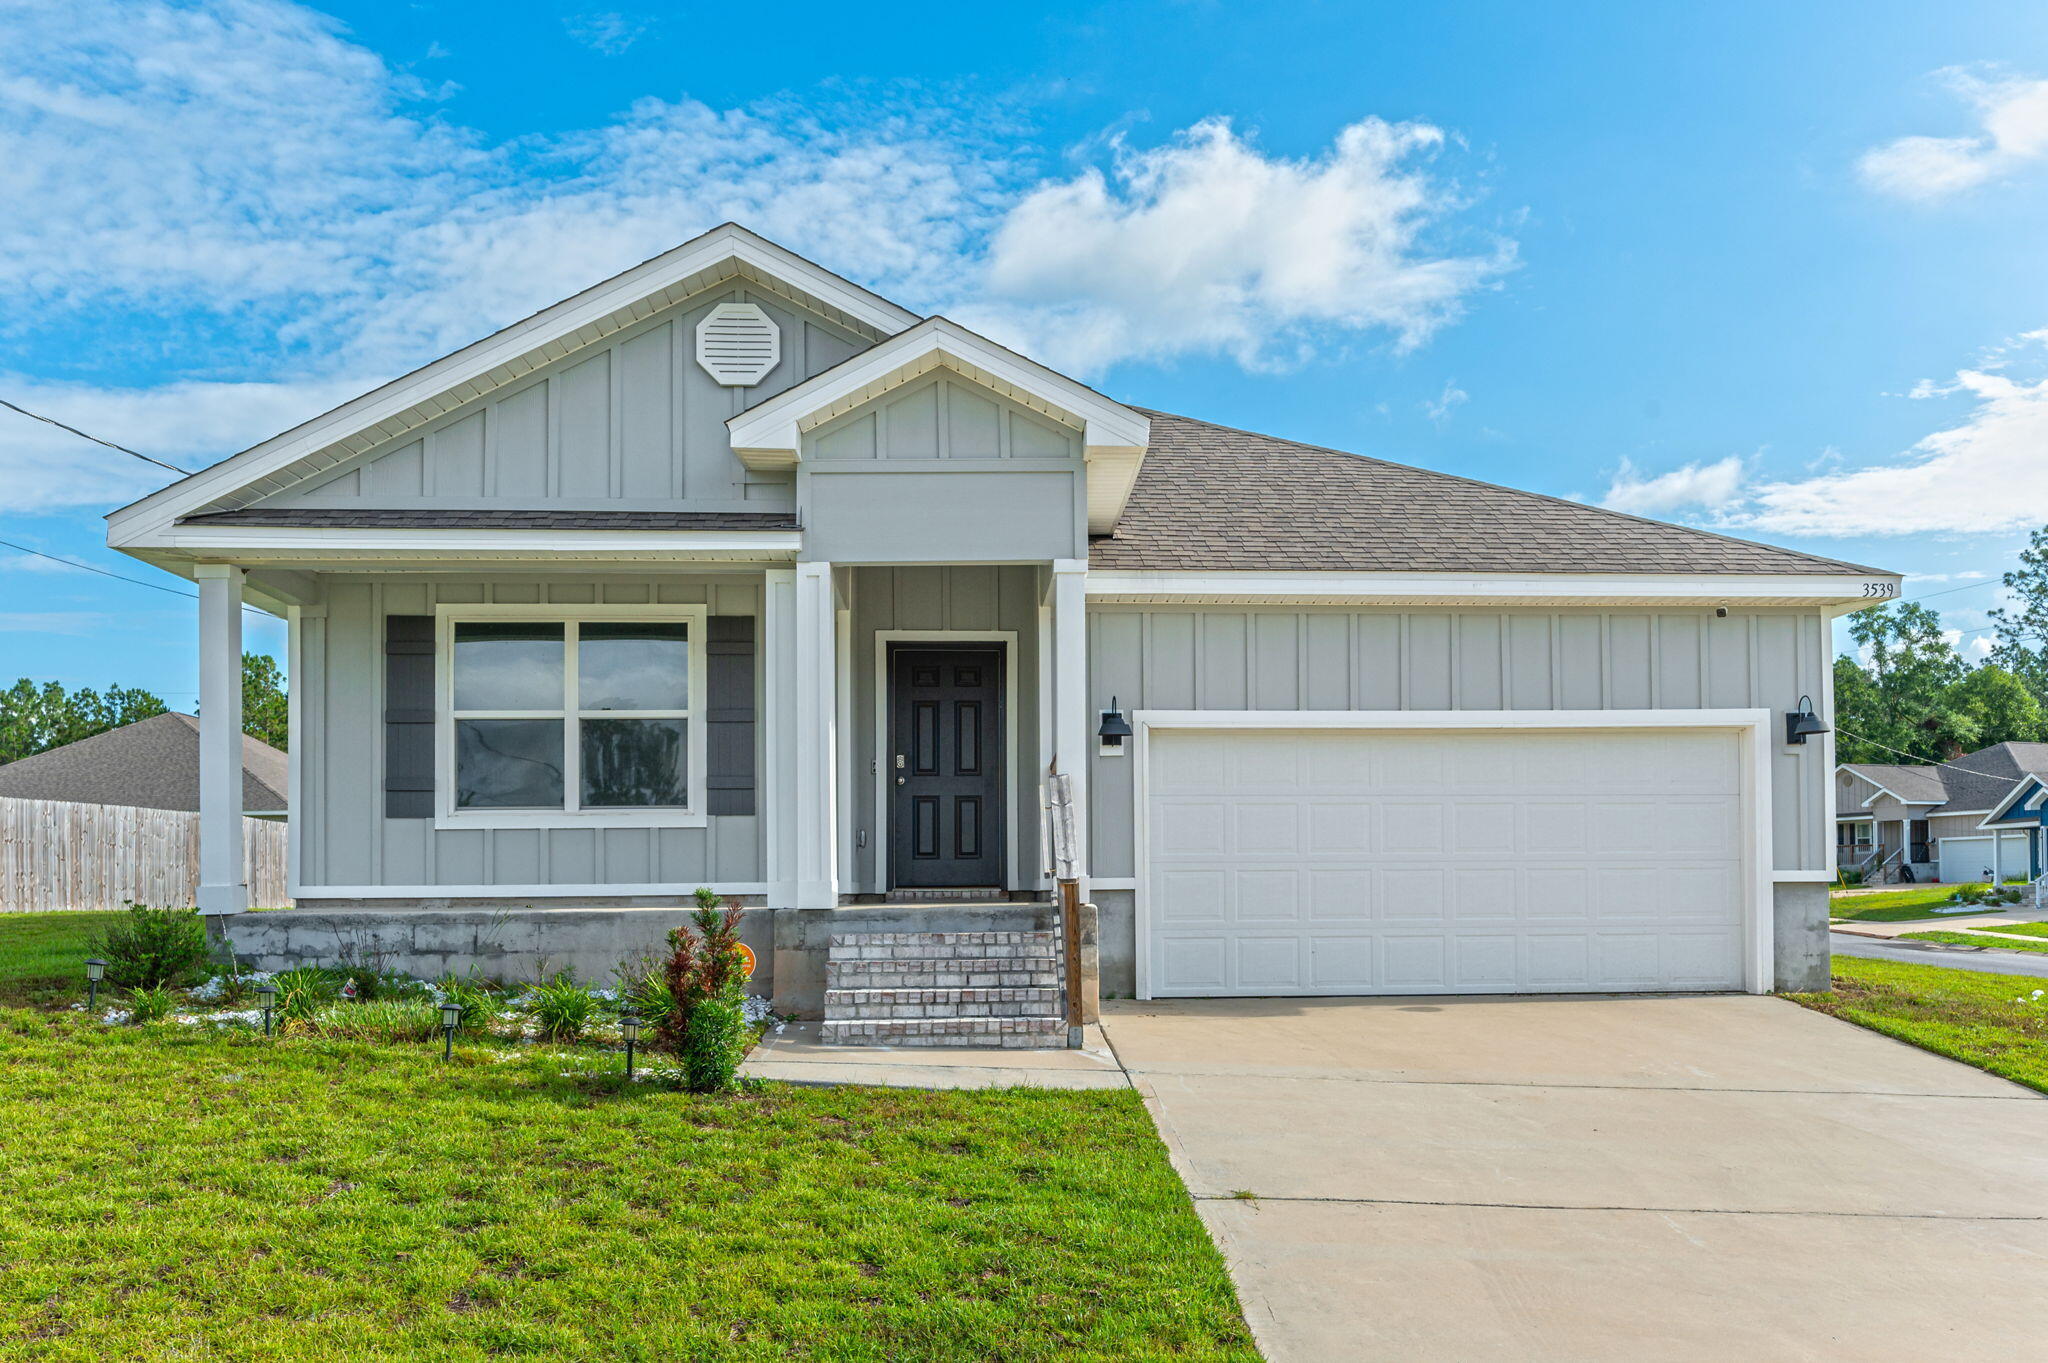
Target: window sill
{"points": [[549, 818]]}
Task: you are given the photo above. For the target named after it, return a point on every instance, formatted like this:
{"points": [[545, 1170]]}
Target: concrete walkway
{"points": [[796, 1056], [1948, 922], [1587, 1178]]}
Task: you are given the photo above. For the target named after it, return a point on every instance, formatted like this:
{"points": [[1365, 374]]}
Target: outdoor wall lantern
{"points": [[629, 1029], [1803, 723], [266, 995], [95, 971], [1115, 729], [451, 1018]]}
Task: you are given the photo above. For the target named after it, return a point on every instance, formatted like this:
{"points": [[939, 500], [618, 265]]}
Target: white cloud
{"points": [[1441, 407], [2013, 122], [1205, 245], [1987, 474], [607, 33], [1712, 486]]}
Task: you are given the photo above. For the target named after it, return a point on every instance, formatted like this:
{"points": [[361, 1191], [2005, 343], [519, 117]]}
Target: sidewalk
{"points": [[2013, 913], [796, 1056]]}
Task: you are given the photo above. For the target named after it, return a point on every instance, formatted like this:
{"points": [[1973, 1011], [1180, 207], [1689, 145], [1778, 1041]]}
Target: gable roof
{"points": [[1213, 497], [1983, 780], [150, 764], [410, 401], [1907, 784]]}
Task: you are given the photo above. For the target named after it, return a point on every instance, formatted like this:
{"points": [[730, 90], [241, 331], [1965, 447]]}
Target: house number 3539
{"points": [[1880, 589]]}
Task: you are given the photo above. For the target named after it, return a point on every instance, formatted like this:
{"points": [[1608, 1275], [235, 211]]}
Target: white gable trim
{"points": [[405, 403], [1113, 437], [2027, 783]]}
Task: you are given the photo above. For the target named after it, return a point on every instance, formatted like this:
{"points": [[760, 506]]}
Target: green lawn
{"points": [[1967, 1015], [1975, 939], [175, 1192], [44, 953], [1892, 906], [2025, 929]]}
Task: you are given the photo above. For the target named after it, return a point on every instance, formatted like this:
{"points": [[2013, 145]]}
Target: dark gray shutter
{"points": [[729, 715], [408, 716]]}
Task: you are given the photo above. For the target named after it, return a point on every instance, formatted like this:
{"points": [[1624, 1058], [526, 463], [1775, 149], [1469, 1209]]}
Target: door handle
{"points": [[899, 780]]}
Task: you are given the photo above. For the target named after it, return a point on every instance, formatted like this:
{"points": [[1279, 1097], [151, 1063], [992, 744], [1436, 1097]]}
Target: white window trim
{"points": [[447, 816], [1752, 729]]}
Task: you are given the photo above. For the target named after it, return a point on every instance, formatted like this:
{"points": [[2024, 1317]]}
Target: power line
{"points": [[131, 581], [50, 420]]}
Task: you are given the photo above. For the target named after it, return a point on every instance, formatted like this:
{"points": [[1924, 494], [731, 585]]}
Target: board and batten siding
{"points": [[960, 597], [1325, 658], [347, 840], [633, 423]]}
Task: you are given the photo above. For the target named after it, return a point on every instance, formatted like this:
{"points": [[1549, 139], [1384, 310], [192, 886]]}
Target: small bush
{"points": [[714, 1043], [561, 1007], [643, 986], [304, 990], [152, 948], [477, 1003], [150, 1003], [378, 1020], [705, 1024]]}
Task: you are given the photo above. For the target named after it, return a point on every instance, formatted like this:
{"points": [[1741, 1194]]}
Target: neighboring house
{"points": [[727, 571], [1972, 818], [150, 764]]}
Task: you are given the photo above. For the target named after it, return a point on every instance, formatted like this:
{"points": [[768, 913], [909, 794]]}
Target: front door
{"points": [[944, 766]]}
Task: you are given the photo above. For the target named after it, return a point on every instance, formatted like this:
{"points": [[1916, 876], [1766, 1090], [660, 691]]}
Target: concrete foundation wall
{"points": [[1802, 937]]}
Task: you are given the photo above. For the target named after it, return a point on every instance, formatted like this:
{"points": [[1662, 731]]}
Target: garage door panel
{"points": [[1416, 862]]}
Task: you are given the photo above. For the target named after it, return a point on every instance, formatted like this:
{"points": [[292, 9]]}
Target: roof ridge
{"points": [[1513, 491]]}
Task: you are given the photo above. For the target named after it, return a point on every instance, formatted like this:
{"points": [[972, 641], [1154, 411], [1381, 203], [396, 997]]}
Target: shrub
{"points": [[561, 1007], [643, 986], [378, 1020], [150, 1003], [152, 948], [304, 990], [705, 1024], [476, 1002]]}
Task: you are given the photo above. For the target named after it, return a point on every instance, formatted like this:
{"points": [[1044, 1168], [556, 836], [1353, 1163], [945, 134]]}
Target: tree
{"points": [[36, 718], [2022, 647], [2002, 708], [265, 710], [1906, 711]]}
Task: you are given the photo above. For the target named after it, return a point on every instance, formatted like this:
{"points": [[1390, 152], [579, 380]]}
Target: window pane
{"points": [[508, 763], [635, 763], [633, 666], [509, 666]]}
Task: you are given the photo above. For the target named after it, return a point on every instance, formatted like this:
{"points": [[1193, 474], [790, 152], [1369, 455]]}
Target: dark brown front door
{"points": [[944, 766]]}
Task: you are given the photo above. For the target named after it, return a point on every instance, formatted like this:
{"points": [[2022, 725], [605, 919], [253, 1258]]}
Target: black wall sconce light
{"points": [[1803, 723], [1115, 729]]}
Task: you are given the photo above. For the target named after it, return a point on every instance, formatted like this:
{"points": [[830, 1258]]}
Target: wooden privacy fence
{"points": [[57, 855]]}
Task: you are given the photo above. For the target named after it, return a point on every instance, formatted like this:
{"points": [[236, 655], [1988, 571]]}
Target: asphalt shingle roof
{"points": [[436, 518], [1977, 780], [151, 764], [1211, 497]]}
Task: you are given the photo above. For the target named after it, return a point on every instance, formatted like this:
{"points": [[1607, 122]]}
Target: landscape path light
{"points": [[451, 1018], [629, 1028], [95, 971], [266, 995]]}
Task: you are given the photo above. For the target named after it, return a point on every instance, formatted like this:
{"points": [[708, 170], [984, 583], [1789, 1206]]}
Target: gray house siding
{"points": [[942, 471], [982, 598], [1325, 658], [347, 841], [632, 423]]}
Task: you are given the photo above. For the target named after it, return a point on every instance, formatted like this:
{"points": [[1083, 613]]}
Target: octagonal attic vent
{"points": [[738, 344]]}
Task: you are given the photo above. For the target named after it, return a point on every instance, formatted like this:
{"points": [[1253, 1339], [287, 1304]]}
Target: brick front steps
{"points": [[999, 989]]}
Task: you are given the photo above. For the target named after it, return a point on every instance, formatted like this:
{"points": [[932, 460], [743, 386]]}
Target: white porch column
{"points": [[1072, 732], [778, 713], [816, 730], [223, 888]]}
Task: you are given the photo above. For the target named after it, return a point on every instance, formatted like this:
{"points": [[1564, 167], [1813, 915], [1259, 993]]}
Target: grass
{"points": [[1893, 906], [2025, 929], [1975, 939], [42, 954], [177, 1192], [1967, 1015]]}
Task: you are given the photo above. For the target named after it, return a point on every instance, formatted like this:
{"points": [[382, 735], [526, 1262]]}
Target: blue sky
{"points": [[1776, 270]]}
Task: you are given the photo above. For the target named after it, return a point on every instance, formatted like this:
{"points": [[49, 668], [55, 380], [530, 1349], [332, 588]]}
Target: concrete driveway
{"points": [[1587, 1178]]}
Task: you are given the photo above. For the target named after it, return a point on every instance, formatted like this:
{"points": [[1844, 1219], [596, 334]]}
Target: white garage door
{"points": [[1967, 860], [1373, 862]]}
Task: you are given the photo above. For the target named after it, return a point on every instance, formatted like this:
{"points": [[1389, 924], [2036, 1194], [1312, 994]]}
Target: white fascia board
{"points": [[143, 522], [315, 542], [1480, 588], [1883, 790], [2030, 786], [770, 435]]}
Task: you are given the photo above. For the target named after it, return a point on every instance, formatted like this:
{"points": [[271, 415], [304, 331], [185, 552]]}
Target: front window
{"points": [[586, 717]]}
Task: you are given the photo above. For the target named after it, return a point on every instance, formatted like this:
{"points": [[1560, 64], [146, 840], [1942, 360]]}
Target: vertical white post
{"points": [[778, 713], [817, 739], [842, 643], [1071, 729], [223, 886]]}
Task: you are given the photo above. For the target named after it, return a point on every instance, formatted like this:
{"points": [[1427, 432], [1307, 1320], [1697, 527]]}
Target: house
{"points": [[727, 571], [1972, 818], [150, 764]]}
